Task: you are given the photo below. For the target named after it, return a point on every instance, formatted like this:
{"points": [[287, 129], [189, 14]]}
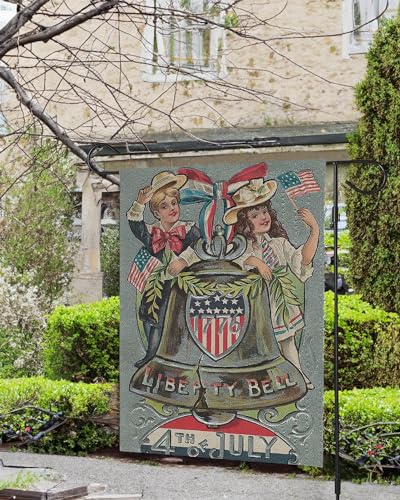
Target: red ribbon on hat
{"points": [[174, 238]]}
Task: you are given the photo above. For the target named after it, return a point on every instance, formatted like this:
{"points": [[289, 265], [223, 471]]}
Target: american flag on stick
{"points": [[299, 183], [142, 266]]}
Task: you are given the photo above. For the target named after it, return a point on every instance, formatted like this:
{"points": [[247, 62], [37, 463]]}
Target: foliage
{"points": [[38, 216], [344, 240], [369, 344], [359, 408], [109, 258], [374, 221], [80, 403], [22, 323], [21, 481], [154, 286], [82, 341]]}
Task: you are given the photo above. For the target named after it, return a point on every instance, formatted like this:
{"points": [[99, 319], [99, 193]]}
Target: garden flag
{"points": [[221, 352], [298, 183]]}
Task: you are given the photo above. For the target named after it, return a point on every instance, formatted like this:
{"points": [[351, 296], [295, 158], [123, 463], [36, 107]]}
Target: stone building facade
{"points": [[288, 80]]}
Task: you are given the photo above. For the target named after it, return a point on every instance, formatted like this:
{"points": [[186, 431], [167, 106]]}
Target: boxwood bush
{"points": [[83, 404], [369, 344], [80, 403], [82, 342], [359, 408]]}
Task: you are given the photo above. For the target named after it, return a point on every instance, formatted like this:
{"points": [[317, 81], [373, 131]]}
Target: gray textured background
{"points": [[303, 430]]}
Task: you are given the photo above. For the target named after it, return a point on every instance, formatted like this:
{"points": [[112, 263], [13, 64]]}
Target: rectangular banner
{"points": [[222, 312]]}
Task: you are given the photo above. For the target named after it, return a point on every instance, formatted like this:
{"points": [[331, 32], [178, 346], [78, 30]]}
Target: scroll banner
{"points": [[222, 312]]}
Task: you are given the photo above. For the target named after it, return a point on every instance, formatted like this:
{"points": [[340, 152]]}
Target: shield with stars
{"points": [[217, 322]]}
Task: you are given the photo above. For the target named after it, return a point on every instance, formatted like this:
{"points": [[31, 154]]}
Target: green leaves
{"points": [[155, 285], [283, 293], [251, 286], [190, 284], [82, 341], [374, 221], [80, 403]]}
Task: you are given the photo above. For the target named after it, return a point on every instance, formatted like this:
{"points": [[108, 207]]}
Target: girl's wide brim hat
{"points": [[164, 180], [252, 194]]}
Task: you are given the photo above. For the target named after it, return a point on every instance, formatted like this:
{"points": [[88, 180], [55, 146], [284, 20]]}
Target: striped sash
{"points": [[269, 256]]}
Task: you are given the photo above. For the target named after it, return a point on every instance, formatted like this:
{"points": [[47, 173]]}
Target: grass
{"points": [[22, 481]]}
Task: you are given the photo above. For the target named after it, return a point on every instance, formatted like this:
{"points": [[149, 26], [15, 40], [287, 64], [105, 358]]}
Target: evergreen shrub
{"points": [[374, 221], [82, 342], [80, 403]]}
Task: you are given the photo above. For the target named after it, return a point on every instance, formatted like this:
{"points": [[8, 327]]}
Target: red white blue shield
{"points": [[216, 322]]}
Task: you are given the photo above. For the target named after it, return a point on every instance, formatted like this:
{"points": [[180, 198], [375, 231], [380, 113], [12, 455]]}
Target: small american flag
{"points": [[142, 266], [299, 183]]}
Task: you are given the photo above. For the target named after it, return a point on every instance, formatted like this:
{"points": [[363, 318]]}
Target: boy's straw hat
{"points": [[167, 179], [252, 194]]}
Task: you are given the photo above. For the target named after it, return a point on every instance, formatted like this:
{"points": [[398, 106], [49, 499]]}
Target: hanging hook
{"points": [[367, 162], [93, 167]]}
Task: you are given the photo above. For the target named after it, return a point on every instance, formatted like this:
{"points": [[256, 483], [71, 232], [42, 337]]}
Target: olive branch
{"points": [[283, 291], [188, 282], [155, 284], [251, 285]]}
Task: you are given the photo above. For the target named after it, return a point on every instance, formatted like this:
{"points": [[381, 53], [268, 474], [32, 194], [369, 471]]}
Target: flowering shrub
{"points": [[22, 323]]}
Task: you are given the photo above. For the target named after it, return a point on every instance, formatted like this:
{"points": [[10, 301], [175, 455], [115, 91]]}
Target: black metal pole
{"points": [[335, 322]]}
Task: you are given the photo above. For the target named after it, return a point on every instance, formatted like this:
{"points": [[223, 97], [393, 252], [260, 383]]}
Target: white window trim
{"points": [[161, 74], [350, 46]]}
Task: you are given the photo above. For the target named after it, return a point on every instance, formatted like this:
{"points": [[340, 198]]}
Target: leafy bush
{"points": [[80, 403], [358, 408], [109, 257], [82, 341], [22, 323], [38, 217], [369, 344], [374, 221]]}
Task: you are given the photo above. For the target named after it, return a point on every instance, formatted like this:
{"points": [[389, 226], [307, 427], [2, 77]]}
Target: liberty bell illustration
{"points": [[218, 354]]}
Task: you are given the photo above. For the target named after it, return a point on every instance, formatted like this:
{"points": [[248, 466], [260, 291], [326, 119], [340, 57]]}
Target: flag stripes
{"points": [[142, 266]]}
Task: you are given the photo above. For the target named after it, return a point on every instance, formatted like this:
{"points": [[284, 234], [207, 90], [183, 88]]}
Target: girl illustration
{"points": [[168, 233], [268, 246]]}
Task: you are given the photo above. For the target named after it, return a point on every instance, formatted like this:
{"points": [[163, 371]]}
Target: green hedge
{"points": [[81, 403], [369, 344], [82, 342], [358, 408]]}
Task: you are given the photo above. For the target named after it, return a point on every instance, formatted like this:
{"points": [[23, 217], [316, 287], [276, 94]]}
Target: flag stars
{"points": [[217, 310], [207, 302], [234, 301], [225, 310], [217, 298], [209, 311], [192, 310], [239, 310], [201, 310], [224, 300], [197, 303]]}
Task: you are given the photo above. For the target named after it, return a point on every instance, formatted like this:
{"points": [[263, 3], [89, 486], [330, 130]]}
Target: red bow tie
{"points": [[173, 237]]}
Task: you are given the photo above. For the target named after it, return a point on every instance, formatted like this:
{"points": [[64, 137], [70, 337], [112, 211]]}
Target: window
{"points": [[7, 12], [360, 18], [184, 40]]}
